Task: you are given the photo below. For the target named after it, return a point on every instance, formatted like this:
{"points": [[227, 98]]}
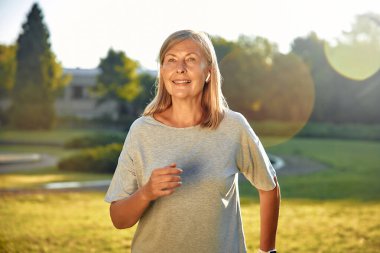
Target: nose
{"points": [[181, 67]]}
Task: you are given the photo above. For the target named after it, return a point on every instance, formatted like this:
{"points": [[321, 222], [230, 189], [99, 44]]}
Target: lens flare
{"points": [[277, 98], [357, 61]]}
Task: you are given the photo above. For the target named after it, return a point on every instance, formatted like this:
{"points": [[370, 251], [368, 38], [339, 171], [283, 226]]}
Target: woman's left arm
{"points": [[269, 212]]}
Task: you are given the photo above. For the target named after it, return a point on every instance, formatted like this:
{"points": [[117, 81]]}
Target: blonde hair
{"points": [[213, 102]]}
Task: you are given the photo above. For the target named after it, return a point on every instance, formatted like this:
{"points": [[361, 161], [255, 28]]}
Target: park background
{"points": [[314, 105]]}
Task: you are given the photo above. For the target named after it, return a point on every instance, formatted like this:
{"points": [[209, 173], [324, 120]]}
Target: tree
{"points": [[244, 71], [7, 76], [147, 81], [118, 82], [7, 69], [273, 89], [222, 47], [365, 29], [38, 74], [362, 45], [341, 98], [311, 50]]}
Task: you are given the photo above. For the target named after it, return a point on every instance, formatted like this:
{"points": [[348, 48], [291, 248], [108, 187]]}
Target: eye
{"points": [[191, 59], [171, 60]]}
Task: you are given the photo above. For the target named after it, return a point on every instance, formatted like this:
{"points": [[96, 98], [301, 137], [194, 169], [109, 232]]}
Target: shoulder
{"points": [[235, 119], [140, 124], [137, 129]]}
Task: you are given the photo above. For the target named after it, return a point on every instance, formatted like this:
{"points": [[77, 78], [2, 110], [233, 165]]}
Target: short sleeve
{"points": [[124, 182], [253, 161]]}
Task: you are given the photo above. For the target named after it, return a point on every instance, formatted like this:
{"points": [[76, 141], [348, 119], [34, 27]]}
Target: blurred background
{"points": [[74, 75]]}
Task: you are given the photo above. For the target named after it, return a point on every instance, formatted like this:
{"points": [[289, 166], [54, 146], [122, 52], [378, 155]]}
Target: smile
{"points": [[181, 81]]}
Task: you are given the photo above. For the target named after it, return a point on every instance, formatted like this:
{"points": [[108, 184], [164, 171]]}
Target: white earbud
{"points": [[208, 77]]}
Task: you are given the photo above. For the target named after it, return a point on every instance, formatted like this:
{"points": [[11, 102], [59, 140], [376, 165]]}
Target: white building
{"points": [[78, 99]]}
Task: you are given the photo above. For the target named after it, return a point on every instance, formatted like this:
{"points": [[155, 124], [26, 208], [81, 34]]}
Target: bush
{"points": [[73, 122], [3, 118], [98, 160], [32, 116], [95, 140], [121, 124]]}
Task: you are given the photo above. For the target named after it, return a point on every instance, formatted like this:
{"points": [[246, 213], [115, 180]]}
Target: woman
{"points": [[178, 171]]}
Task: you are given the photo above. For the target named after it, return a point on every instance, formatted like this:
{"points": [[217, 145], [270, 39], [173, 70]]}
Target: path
{"points": [[294, 165], [299, 165], [45, 161]]}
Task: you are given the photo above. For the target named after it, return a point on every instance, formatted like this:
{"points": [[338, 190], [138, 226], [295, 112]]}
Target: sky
{"points": [[82, 31]]}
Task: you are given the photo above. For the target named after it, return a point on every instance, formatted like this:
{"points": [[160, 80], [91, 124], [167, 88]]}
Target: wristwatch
{"points": [[270, 251]]}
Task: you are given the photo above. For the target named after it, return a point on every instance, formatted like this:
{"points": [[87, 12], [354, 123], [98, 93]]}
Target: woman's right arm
{"points": [[126, 212]]}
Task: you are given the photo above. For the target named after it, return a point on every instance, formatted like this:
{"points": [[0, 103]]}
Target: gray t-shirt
{"points": [[203, 215]]}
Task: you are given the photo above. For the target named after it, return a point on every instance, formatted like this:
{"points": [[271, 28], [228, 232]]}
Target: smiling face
{"points": [[184, 70]]}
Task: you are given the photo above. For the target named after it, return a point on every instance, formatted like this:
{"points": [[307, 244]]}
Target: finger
{"points": [[157, 179], [166, 192], [169, 185], [168, 178], [172, 165], [167, 170]]}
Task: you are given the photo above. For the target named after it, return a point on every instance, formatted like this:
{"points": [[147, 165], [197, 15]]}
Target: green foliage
{"points": [[222, 47], [339, 98], [3, 118], [257, 46], [365, 28], [118, 81], [7, 69], [266, 85], [147, 83], [94, 140], [58, 136], [37, 76], [242, 70], [289, 88], [96, 160], [34, 115]]}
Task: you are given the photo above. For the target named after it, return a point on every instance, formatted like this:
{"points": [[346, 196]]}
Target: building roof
{"points": [[82, 77]]}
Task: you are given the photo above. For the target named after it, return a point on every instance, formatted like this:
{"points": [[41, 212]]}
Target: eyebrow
{"points": [[171, 54]]}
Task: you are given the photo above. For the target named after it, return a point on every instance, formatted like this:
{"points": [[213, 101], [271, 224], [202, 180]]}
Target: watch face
{"points": [[272, 251]]}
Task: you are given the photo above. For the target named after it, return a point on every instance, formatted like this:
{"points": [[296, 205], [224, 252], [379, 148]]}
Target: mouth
{"points": [[181, 81]]}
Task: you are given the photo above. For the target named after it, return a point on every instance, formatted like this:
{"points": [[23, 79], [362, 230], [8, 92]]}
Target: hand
{"points": [[162, 182]]}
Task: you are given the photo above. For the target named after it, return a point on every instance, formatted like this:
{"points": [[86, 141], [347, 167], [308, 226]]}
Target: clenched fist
{"points": [[162, 182]]}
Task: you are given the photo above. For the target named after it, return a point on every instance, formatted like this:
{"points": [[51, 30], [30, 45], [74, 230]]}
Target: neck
{"points": [[185, 113]]}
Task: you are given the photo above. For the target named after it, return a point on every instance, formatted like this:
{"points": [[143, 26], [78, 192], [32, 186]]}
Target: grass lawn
{"points": [[50, 150], [354, 170], [56, 136], [36, 179], [79, 222], [334, 210]]}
